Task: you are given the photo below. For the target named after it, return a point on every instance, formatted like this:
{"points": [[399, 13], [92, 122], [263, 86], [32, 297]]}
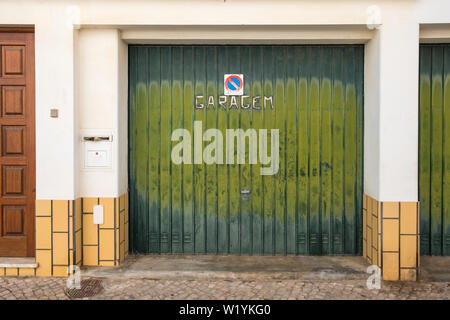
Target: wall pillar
{"points": [[390, 210]]}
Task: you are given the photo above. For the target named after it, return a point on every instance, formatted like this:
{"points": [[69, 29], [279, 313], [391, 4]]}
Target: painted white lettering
{"points": [[197, 105]]}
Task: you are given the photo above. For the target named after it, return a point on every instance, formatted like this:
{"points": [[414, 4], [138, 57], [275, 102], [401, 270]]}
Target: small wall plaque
{"points": [[54, 113]]}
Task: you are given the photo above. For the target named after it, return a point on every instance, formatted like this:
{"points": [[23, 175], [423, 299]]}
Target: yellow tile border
{"points": [[63, 220], [43, 208], [371, 207], [389, 237], [14, 272], [27, 272]]}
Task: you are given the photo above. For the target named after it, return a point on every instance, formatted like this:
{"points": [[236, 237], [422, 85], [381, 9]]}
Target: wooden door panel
{"points": [[13, 221], [13, 141], [17, 149], [13, 101], [13, 60], [13, 181]]}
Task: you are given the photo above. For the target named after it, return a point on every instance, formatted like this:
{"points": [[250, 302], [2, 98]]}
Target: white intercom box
{"points": [[98, 214]]}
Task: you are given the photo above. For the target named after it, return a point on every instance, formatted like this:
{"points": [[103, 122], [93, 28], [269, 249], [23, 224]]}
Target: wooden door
{"points": [[17, 144]]}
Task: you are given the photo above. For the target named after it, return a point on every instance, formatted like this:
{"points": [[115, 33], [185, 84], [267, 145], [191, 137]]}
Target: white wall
{"points": [[372, 83], [101, 109], [391, 107], [122, 119], [54, 41], [399, 127], [391, 77]]}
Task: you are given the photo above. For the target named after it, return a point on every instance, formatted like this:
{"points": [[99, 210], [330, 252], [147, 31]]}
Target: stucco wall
{"points": [[99, 83]]}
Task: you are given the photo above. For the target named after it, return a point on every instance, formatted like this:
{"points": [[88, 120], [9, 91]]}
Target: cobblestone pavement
{"points": [[53, 288]]}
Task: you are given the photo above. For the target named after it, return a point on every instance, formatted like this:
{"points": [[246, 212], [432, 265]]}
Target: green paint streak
{"points": [[302, 155], [211, 170], [425, 147], [268, 181], [155, 146], [132, 147], [350, 153], [257, 194], [176, 173], [436, 151], [359, 84], [188, 169], [291, 160], [233, 55], [166, 163], [326, 161], [280, 114], [338, 164], [350, 169], [141, 146], [446, 157], [141, 139], [199, 169], [326, 168], [245, 170], [222, 170], [314, 169]]}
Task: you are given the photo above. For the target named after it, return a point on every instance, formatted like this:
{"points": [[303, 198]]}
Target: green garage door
{"points": [[246, 149], [434, 149]]}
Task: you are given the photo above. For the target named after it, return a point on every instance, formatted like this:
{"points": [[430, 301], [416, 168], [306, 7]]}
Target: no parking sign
{"points": [[233, 84]]}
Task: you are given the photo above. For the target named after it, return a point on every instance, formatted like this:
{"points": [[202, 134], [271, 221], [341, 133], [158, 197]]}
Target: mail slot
{"points": [[97, 138]]}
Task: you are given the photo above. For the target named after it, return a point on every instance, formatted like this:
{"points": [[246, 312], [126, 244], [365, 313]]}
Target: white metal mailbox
{"points": [[97, 151]]}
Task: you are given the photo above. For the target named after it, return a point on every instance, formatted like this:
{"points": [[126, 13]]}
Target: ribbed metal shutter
{"points": [[434, 149], [313, 205]]}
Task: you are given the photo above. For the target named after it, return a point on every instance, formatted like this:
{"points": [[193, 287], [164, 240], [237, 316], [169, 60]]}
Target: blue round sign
{"points": [[233, 83]]}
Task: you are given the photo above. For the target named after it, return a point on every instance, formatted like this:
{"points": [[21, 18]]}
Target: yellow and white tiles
{"points": [[61, 243], [391, 238], [106, 244]]}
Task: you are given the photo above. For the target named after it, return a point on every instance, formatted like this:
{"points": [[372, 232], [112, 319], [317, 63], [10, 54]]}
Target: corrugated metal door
{"points": [[434, 149], [312, 205]]}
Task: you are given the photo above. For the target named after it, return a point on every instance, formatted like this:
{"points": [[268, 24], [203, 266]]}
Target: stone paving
{"points": [[238, 277], [129, 288]]}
